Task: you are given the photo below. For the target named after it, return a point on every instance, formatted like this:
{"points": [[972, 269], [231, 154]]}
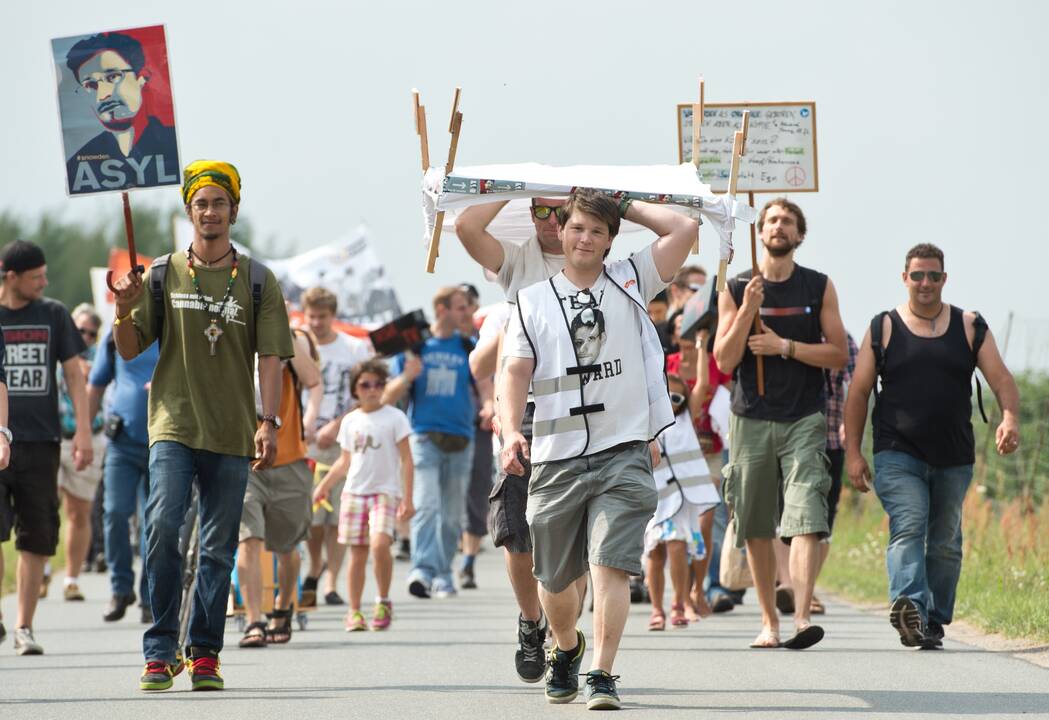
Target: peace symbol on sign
{"points": [[795, 176]]}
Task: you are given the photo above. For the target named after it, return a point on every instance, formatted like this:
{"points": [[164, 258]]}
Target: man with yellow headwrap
{"points": [[211, 316]]}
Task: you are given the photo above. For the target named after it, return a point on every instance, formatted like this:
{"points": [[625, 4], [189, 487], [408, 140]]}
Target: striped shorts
{"points": [[361, 516]]}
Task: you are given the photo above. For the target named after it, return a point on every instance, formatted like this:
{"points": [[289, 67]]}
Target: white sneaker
{"points": [[25, 644]]}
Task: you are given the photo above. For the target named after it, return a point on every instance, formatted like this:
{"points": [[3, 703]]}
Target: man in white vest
{"points": [[584, 340]]}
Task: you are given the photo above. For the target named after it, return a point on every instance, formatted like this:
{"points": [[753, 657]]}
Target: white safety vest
{"points": [[682, 474], [560, 430]]}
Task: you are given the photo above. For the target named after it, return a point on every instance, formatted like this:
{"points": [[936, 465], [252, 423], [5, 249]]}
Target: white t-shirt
{"points": [[608, 334], [525, 265], [337, 360], [495, 321], [371, 439]]}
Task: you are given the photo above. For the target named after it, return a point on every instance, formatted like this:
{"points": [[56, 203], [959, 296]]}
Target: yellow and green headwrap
{"points": [[201, 173]]}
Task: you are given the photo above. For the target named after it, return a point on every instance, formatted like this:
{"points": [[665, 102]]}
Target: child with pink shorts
{"points": [[377, 464]]}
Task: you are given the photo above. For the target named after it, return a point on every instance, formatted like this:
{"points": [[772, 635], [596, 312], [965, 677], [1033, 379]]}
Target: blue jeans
{"points": [[439, 496], [125, 488], [221, 481], [924, 504]]}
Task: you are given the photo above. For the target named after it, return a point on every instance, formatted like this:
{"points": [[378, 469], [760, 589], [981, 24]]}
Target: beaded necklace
{"points": [[213, 331]]}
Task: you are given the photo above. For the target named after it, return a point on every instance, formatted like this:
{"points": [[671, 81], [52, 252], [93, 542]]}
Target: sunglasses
{"points": [[919, 275], [542, 212], [88, 332], [676, 398], [366, 385]]}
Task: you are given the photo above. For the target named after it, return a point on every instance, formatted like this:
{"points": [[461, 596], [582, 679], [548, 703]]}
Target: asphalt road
{"points": [[454, 659]]}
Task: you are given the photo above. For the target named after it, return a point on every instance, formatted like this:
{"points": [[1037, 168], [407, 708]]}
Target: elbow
{"points": [[841, 359]]}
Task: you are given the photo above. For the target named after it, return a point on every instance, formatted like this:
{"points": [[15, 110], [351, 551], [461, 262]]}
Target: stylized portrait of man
{"points": [[137, 146], [588, 334]]}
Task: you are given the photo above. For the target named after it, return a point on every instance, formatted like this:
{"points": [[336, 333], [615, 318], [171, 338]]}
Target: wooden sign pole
{"points": [[129, 230], [454, 126], [757, 318], [697, 122], [419, 112], [739, 145]]}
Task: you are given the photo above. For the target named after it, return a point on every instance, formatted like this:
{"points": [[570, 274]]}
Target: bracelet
{"points": [[624, 205], [792, 348], [117, 320]]}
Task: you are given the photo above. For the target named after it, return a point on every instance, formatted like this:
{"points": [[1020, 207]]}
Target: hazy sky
{"points": [[929, 115]]}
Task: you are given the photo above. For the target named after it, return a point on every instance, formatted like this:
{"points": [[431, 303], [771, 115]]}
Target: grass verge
{"points": [[1005, 571]]}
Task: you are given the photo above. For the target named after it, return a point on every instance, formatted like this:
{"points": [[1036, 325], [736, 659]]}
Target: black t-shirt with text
{"points": [[37, 337]]}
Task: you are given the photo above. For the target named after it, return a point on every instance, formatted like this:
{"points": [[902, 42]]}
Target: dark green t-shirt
{"points": [[205, 401]]}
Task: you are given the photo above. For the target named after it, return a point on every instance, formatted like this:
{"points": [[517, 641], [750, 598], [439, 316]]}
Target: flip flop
{"points": [[816, 607], [804, 638], [758, 645]]}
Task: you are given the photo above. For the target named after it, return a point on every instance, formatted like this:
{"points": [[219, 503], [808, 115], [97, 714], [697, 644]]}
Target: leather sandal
{"points": [[658, 621], [280, 633], [255, 636]]}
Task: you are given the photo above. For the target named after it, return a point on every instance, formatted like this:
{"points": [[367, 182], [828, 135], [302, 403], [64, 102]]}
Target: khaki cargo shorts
{"points": [[84, 483], [277, 506], [767, 457], [590, 511]]}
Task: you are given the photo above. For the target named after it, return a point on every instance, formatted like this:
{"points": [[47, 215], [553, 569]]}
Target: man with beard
{"points": [[778, 438], [135, 149]]}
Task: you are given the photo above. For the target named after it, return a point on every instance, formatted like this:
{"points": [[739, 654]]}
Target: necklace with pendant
{"points": [[931, 320], [213, 331]]}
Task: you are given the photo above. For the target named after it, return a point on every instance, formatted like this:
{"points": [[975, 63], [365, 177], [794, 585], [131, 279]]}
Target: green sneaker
{"points": [[159, 675], [204, 669], [600, 691], [562, 672]]}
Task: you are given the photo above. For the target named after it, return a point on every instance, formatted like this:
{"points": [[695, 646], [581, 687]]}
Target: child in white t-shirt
{"points": [[377, 464]]}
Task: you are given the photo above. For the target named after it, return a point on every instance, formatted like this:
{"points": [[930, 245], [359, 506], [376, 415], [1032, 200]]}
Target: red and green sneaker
{"points": [[204, 669], [159, 675]]}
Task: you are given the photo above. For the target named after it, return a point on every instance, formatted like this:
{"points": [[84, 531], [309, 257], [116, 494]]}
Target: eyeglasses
{"points": [[109, 77], [202, 206], [542, 212], [676, 398], [919, 275], [366, 385], [88, 332]]}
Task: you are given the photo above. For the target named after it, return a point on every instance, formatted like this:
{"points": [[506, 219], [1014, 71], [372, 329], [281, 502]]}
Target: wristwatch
{"points": [[6, 432], [273, 420]]}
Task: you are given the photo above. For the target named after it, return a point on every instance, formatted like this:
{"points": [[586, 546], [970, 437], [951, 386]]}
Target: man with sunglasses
{"points": [[779, 435], [515, 267], [925, 352]]}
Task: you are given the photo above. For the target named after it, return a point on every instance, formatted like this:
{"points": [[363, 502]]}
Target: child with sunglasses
{"points": [[376, 462], [686, 491]]}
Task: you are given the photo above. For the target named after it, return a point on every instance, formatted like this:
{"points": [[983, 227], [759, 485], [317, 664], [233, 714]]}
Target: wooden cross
{"points": [[454, 126]]}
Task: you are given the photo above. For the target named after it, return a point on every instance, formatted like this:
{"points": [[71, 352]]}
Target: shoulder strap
{"points": [[876, 348], [979, 333], [257, 275], [158, 275]]}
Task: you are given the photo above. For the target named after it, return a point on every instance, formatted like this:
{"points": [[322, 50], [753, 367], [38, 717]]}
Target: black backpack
{"points": [[979, 333], [158, 277]]}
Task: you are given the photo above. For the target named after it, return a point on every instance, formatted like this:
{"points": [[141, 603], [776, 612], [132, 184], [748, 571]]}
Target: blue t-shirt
{"points": [[130, 396], [440, 396]]}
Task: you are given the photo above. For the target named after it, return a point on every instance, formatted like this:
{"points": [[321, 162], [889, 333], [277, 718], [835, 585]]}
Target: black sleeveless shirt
{"points": [[924, 407], [791, 309]]}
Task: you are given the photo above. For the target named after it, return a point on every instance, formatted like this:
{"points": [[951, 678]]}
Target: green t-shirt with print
{"points": [[205, 401]]}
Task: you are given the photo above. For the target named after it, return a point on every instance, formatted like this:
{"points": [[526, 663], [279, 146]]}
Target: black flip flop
{"points": [[804, 638]]}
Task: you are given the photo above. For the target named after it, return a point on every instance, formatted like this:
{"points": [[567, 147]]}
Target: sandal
{"points": [[677, 616], [280, 633], [658, 621], [816, 607], [255, 636], [767, 640]]}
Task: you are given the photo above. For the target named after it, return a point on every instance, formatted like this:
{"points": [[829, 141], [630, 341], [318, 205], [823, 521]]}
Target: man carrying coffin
{"points": [[591, 492]]}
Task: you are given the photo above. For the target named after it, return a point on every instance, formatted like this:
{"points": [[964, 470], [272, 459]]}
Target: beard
{"points": [[779, 251]]}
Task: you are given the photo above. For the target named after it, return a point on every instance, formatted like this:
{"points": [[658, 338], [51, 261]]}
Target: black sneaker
{"points": [[333, 598], [600, 691], [404, 550], [530, 658], [466, 579], [933, 636], [118, 605], [904, 616], [562, 673]]}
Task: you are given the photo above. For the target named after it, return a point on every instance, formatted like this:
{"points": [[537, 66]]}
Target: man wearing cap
{"points": [[39, 333], [212, 317]]}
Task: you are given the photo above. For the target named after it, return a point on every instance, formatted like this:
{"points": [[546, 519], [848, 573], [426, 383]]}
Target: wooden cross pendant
{"points": [[212, 333]]}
